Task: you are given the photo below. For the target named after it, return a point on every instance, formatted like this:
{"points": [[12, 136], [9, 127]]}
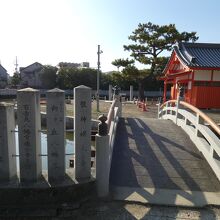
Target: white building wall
{"points": [[216, 75], [202, 75]]}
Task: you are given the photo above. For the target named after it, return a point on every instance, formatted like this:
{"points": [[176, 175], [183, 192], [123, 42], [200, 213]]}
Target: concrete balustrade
{"points": [[104, 146], [82, 134], [56, 134], [29, 127], [102, 158], [8, 169]]}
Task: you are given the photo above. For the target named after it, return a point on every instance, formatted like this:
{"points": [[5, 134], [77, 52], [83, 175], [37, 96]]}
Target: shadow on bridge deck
{"points": [[154, 161]]}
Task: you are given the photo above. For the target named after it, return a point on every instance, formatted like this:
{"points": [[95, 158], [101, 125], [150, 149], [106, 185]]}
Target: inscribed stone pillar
{"points": [[82, 132], [56, 134], [110, 92], [29, 126], [8, 168], [131, 93]]}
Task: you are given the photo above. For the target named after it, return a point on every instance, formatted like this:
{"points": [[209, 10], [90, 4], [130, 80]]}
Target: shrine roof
{"points": [[205, 55]]}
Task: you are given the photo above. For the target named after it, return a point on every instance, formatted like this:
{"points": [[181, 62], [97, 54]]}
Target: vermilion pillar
{"points": [[165, 91]]}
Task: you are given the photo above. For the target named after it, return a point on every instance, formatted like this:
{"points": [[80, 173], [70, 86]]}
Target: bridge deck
{"points": [[157, 154]]}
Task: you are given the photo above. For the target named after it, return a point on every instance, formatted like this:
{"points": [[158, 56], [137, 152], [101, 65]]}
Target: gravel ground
{"points": [[108, 210], [132, 110]]}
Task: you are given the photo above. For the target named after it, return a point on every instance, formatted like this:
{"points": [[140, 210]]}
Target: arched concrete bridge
{"points": [[155, 161]]}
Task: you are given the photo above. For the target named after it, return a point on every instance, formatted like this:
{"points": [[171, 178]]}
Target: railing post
{"points": [[8, 169], [158, 110], [102, 158], [56, 134], [118, 104], [82, 132], [167, 104], [177, 108], [199, 120], [29, 126]]}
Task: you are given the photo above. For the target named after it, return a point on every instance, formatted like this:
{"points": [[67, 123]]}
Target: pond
{"points": [[69, 148]]}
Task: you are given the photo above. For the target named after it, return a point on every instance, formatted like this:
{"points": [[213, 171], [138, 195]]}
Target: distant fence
{"points": [[13, 92], [8, 92]]}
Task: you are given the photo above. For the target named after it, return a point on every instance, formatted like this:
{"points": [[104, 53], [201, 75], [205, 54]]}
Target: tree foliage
{"points": [[122, 62], [129, 74], [68, 78], [150, 40], [15, 79], [48, 77]]}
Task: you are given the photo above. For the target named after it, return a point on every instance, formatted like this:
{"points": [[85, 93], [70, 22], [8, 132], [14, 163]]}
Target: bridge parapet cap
{"points": [[198, 112]]}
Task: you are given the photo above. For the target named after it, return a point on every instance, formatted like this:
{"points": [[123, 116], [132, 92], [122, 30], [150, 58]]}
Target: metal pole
{"points": [[98, 73]]}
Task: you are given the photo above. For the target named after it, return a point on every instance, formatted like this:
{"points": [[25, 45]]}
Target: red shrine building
{"points": [[196, 68]]}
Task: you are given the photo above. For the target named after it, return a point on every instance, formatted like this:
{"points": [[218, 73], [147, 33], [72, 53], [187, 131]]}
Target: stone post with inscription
{"points": [[56, 134], [8, 168], [131, 93], [29, 126], [110, 92], [82, 132]]}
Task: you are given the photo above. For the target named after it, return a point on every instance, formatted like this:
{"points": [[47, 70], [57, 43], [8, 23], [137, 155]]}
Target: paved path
{"points": [[155, 161]]}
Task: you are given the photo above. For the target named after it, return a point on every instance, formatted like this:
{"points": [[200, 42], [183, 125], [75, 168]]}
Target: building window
{"points": [[209, 84], [201, 83], [215, 84]]}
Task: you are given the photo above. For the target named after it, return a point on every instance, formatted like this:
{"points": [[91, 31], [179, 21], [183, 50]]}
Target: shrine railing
{"points": [[112, 121], [104, 147], [202, 130]]}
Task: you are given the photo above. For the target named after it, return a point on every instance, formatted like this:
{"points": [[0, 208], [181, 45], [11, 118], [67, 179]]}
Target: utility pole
{"points": [[98, 73]]}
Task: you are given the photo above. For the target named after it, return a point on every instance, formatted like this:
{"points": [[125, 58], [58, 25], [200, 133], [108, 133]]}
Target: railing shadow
{"points": [[176, 165], [136, 165]]}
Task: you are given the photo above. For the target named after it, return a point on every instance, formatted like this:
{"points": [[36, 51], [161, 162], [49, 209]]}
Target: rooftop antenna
{"points": [[16, 65]]}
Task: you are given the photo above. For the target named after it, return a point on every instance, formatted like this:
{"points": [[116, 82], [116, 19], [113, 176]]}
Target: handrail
{"points": [[111, 113], [169, 101], [202, 115], [205, 138], [197, 111], [104, 149]]}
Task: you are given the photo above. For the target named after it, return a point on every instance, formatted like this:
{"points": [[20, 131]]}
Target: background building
{"points": [[30, 75], [196, 68], [73, 65], [3, 77]]}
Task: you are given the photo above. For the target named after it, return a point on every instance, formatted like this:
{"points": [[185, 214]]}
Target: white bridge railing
{"points": [[104, 146], [194, 122], [112, 122]]}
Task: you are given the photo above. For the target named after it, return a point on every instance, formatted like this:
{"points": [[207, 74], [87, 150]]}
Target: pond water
{"points": [[69, 148]]}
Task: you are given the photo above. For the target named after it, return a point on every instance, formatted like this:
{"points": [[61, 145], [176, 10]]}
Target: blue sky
{"points": [[51, 31]]}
